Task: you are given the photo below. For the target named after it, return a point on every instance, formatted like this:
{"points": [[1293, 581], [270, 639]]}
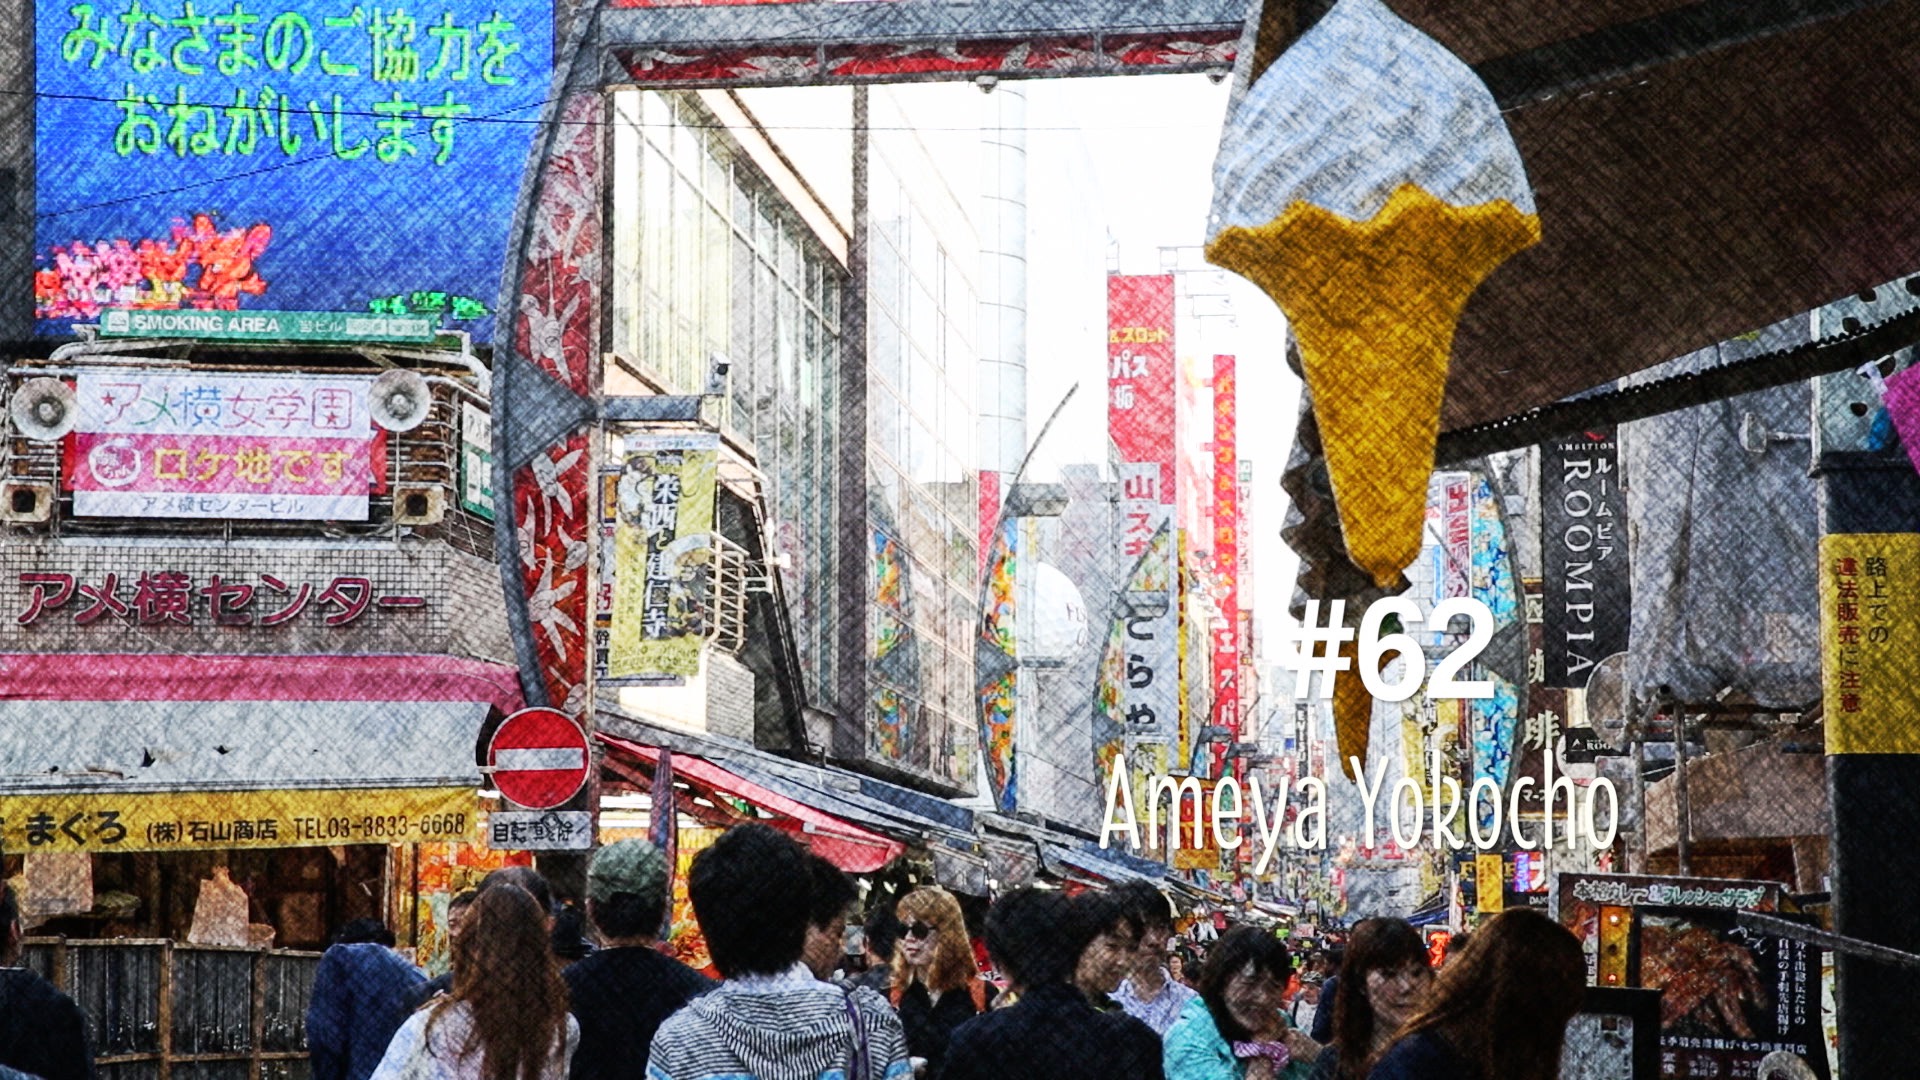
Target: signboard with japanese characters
{"points": [[190, 444], [165, 596], [331, 326], [1140, 421], [476, 460], [1451, 514], [185, 597], [108, 821], [540, 830], [663, 554], [1731, 995], [197, 157], [1869, 634], [1583, 522], [1542, 725]]}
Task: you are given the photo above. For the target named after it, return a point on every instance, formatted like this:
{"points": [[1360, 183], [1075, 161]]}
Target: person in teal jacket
{"points": [[1236, 1029]]}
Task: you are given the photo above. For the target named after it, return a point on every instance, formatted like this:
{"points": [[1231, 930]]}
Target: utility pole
{"points": [[1870, 558]]}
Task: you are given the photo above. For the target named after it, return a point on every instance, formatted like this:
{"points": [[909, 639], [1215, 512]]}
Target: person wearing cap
{"points": [[623, 991]]}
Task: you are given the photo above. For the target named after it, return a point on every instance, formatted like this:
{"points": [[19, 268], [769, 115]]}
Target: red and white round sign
{"points": [[539, 758]]}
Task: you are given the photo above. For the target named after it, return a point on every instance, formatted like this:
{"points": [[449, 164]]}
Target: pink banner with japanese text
{"points": [[1226, 556], [191, 444], [1141, 387]]}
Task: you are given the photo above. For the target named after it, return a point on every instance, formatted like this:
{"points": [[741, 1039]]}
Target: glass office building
{"points": [[709, 259]]}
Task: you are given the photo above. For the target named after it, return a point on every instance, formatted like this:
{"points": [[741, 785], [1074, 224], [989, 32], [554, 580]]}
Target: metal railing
{"points": [[156, 1008], [735, 577]]}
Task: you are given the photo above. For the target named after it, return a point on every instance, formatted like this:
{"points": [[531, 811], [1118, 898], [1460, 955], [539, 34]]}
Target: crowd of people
{"points": [[1082, 986]]}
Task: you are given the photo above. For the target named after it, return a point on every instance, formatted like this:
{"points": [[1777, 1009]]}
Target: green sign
{"points": [[342, 326], [476, 461]]}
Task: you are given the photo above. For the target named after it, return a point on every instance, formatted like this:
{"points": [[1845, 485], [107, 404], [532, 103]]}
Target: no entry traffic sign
{"points": [[539, 758]]}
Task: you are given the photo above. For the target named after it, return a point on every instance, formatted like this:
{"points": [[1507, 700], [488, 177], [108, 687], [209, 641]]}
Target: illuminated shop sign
{"points": [[205, 445], [291, 154]]}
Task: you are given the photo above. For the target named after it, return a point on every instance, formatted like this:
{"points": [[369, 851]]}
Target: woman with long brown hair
{"points": [[1499, 1010], [1383, 980], [506, 1017], [936, 984]]}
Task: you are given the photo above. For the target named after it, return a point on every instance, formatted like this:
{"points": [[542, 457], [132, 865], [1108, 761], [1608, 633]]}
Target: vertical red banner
{"points": [[1226, 551], [1141, 374], [1140, 370]]}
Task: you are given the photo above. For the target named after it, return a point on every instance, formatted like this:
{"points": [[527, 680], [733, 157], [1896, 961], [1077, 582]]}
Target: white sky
{"points": [[1121, 159], [1152, 141]]}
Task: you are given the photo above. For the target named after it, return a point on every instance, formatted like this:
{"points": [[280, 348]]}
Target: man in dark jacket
{"points": [[1329, 990], [622, 991], [1050, 1033], [882, 933], [362, 992], [41, 1029]]}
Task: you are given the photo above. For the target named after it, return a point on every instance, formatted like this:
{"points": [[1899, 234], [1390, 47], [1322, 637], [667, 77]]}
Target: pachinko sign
{"points": [[198, 445]]}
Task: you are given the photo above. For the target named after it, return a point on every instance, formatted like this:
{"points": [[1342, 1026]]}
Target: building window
{"points": [[709, 259]]}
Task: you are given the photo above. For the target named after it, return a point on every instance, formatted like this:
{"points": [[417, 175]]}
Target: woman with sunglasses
{"points": [[936, 984]]}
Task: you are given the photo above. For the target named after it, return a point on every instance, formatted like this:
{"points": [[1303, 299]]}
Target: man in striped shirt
{"points": [[771, 1019], [1149, 993]]}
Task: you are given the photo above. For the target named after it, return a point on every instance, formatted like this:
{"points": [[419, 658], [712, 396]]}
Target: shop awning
{"points": [[960, 871], [845, 795], [1198, 893], [1010, 863], [1088, 868], [149, 677], [884, 807], [847, 845], [118, 775], [1432, 911], [158, 746], [1754, 793]]}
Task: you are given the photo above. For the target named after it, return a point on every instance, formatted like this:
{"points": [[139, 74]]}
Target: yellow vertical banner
{"points": [[664, 557], [1489, 883], [1148, 759], [1869, 635], [1207, 855]]}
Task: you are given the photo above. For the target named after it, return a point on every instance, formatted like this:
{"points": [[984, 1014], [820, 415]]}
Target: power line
{"points": [[502, 118], [212, 181]]}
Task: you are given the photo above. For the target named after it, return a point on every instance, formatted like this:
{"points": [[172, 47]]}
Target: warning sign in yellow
{"points": [[108, 821], [1869, 636]]}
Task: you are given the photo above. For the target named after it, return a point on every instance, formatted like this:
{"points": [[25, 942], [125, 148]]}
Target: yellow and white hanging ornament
{"points": [[1367, 183]]}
